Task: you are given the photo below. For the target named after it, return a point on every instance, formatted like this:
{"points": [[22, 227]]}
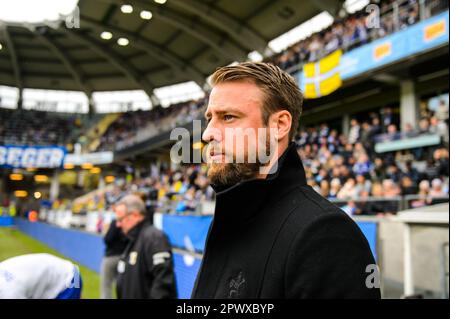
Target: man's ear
{"points": [[281, 121]]}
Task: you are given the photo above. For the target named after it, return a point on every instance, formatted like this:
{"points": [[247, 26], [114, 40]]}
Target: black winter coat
{"points": [[278, 238], [146, 267]]}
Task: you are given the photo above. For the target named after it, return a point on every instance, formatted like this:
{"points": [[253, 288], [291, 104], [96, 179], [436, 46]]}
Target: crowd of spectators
{"points": [[163, 190], [433, 122], [124, 131], [343, 167], [356, 29], [29, 127]]}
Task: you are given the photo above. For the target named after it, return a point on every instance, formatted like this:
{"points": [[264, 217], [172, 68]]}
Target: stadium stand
{"points": [[26, 127], [353, 31], [122, 133], [341, 167], [338, 166]]}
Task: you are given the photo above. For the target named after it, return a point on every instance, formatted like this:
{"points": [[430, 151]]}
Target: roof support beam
{"points": [[15, 63], [70, 65], [203, 33], [331, 6], [237, 30], [152, 49], [121, 64]]}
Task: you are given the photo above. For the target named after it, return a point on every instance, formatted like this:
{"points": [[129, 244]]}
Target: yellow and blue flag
{"points": [[323, 77]]}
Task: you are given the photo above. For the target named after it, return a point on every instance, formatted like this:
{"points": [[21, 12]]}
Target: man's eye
{"points": [[228, 117]]}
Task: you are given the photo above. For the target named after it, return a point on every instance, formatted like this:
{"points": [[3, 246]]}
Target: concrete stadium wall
{"points": [[427, 255]]}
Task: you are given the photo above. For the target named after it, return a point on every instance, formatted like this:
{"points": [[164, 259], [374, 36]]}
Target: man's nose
{"points": [[211, 133]]}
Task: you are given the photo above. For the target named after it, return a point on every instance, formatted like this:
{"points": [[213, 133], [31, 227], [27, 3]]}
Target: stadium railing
{"points": [[415, 201], [396, 204], [391, 205]]}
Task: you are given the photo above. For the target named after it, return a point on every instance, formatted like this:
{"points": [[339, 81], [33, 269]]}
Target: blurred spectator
{"points": [[353, 135], [442, 111], [348, 190], [362, 185], [411, 172], [441, 158], [363, 165], [393, 172], [407, 186], [432, 169], [335, 187], [387, 118], [390, 188], [423, 199], [436, 188], [424, 126], [379, 171], [392, 133], [440, 128], [115, 243]]}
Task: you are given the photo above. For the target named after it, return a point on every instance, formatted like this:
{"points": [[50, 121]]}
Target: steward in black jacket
{"points": [[278, 238], [146, 267], [115, 241]]}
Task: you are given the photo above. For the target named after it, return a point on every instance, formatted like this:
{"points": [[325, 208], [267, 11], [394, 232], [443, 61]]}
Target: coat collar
{"points": [[134, 232], [241, 202]]}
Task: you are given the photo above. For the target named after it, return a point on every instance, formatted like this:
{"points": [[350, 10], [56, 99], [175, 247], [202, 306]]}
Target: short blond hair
{"points": [[281, 90]]}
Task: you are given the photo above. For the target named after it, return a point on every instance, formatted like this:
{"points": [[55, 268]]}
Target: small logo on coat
{"points": [[133, 258], [121, 267], [236, 286]]}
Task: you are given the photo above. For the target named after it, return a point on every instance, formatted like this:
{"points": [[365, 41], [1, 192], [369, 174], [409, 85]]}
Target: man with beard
{"points": [[272, 235]]}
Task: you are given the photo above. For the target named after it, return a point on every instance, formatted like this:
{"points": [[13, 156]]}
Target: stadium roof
{"points": [[159, 43]]}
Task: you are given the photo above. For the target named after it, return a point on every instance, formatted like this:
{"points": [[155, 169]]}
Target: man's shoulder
{"points": [[154, 242], [311, 205], [314, 211], [151, 232]]}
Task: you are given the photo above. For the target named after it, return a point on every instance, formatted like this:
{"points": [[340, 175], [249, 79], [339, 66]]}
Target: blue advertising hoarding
{"points": [[187, 232], [190, 232], [18, 156]]}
